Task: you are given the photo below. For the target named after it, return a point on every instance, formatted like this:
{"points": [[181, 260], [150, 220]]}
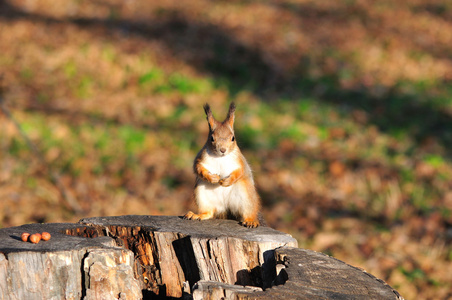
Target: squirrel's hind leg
{"points": [[206, 197], [250, 211], [250, 222]]}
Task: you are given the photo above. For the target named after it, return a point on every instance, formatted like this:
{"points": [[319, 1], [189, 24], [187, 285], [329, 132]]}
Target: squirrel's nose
{"points": [[223, 150]]}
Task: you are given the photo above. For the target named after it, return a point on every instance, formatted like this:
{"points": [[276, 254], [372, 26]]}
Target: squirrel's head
{"points": [[221, 139]]}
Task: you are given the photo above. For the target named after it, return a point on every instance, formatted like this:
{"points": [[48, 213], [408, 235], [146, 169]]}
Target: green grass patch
{"points": [[132, 138], [26, 74], [150, 77], [412, 275], [70, 69], [85, 87], [183, 84], [433, 160], [108, 53], [293, 132], [155, 81], [16, 146], [247, 137]]}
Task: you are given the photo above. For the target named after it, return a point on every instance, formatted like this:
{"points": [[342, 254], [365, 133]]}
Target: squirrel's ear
{"points": [[230, 117], [210, 118]]}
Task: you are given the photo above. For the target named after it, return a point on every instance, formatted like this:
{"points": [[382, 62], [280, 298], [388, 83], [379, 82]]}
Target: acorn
{"points": [[45, 236], [24, 236]]}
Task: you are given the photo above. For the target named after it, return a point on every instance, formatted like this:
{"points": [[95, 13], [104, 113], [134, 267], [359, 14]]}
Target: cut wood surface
{"points": [[306, 274], [135, 257]]}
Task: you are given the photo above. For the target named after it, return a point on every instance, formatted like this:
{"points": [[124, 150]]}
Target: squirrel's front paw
{"points": [[190, 216], [214, 178], [202, 216], [225, 181]]}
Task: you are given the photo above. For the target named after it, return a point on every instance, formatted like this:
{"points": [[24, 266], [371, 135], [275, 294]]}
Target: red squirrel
{"points": [[224, 182]]}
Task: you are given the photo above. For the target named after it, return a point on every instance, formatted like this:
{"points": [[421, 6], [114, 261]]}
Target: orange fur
{"points": [[235, 175], [250, 219], [205, 174]]}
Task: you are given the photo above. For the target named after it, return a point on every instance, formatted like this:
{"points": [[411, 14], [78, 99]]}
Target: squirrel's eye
{"points": [[211, 139], [233, 138]]}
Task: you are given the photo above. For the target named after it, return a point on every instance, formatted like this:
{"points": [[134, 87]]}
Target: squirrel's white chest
{"points": [[221, 165]]}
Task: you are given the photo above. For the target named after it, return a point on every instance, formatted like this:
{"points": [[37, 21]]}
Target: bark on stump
{"points": [[150, 257]]}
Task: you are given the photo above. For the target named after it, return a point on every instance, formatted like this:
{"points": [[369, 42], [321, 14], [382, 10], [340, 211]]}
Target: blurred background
{"points": [[344, 111]]}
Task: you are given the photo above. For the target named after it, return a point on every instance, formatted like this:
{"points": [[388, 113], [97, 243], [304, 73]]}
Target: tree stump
{"points": [[149, 257], [65, 267]]}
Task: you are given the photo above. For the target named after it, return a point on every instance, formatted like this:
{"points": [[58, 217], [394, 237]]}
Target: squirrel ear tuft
{"points": [[230, 117], [210, 118], [207, 109]]}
